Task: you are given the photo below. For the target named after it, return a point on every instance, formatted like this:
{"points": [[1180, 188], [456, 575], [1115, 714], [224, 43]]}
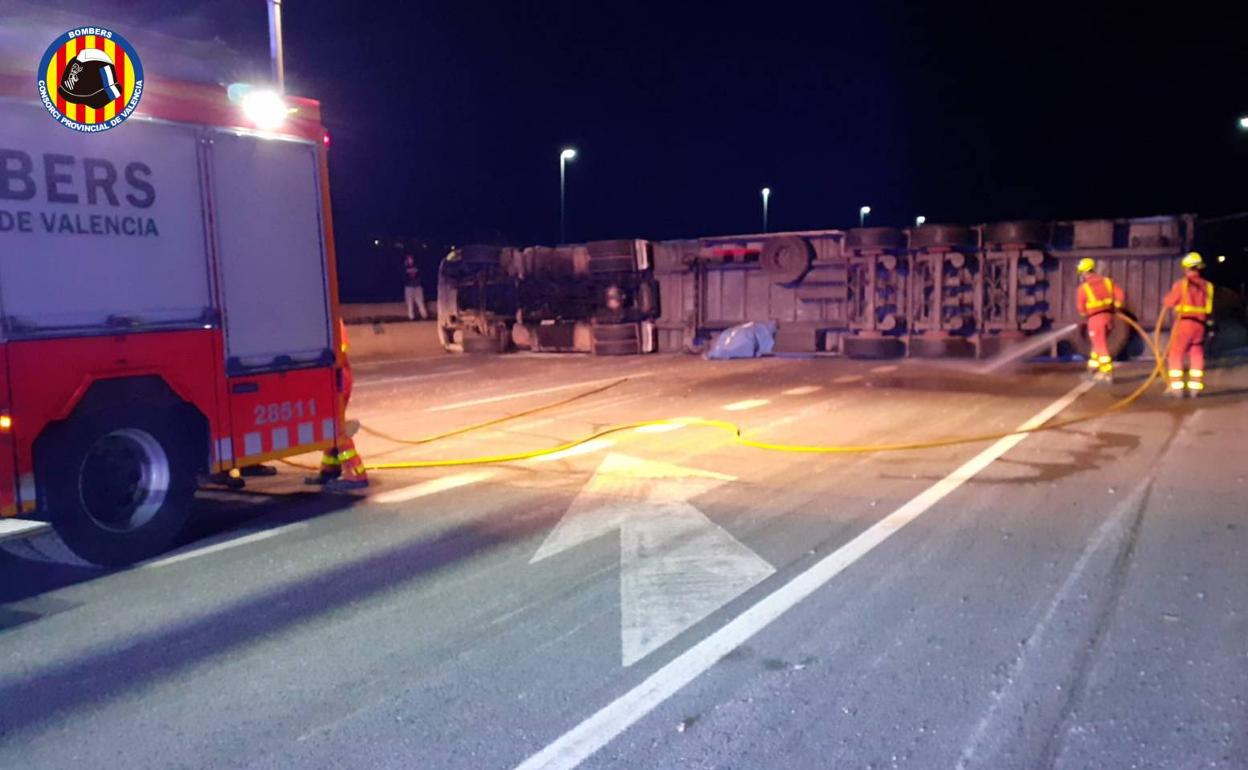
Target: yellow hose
{"points": [[1153, 341]]}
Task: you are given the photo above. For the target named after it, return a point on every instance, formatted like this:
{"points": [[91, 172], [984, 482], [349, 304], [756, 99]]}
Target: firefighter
{"points": [[1098, 299], [342, 468], [1191, 298]]}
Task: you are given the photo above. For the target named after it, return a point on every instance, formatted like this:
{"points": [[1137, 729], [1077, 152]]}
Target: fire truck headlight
{"points": [[6, 423], [266, 109]]}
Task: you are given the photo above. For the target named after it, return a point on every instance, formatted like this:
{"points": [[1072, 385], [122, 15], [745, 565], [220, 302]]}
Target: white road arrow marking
{"points": [[676, 565]]}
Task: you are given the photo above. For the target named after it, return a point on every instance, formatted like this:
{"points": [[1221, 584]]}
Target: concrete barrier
{"points": [[374, 312], [393, 340]]}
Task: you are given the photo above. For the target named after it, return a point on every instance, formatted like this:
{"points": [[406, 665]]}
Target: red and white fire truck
{"points": [[167, 306]]}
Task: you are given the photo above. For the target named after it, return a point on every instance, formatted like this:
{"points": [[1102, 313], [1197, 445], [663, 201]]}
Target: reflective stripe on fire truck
{"points": [[225, 450], [252, 444], [307, 434], [280, 439], [327, 429]]}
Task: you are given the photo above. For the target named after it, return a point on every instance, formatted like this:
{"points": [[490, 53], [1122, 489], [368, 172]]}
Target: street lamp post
{"points": [[766, 198], [275, 45], [862, 215], [565, 155]]}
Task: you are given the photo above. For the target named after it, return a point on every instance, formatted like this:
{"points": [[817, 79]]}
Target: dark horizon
{"points": [[447, 119]]}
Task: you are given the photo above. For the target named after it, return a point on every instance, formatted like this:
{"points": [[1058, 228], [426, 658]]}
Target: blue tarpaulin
{"points": [[748, 340]]}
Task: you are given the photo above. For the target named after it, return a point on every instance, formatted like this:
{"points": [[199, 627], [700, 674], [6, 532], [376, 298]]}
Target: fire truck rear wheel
{"points": [[118, 484]]}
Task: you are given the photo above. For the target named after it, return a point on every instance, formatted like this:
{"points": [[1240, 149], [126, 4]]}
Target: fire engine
{"points": [[167, 306]]}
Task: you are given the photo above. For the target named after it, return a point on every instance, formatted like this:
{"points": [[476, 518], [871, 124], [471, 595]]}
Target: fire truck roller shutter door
{"points": [[271, 252]]}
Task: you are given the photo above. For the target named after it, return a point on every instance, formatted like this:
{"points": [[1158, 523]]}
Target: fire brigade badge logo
{"points": [[90, 79]]}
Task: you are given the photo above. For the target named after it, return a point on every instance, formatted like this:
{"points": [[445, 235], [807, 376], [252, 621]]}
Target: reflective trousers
{"points": [[1187, 344], [1099, 327]]}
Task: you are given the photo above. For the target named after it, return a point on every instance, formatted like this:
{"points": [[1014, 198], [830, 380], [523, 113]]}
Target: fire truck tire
{"points": [[1119, 335], [118, 483], [874, 347], [786, 258]]}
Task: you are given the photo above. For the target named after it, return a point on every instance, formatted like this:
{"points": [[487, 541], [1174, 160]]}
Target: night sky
{"points": [[447, 118]]}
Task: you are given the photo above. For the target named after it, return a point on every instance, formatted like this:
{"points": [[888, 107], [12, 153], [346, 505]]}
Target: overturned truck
{"points": [[874, 292]]}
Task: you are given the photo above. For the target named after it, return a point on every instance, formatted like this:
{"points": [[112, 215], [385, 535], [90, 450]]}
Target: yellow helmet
{"points": [[1086, 265], [1193, 260]]}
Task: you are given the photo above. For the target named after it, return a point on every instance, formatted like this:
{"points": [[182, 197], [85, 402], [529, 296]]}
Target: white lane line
{"points": [[254, 537], [588, 447], [741, 406], [537, 392], [844, 378], [409, 377], [431, 487], [804, 390], [582, 741], [11, 528], [883, 369]]}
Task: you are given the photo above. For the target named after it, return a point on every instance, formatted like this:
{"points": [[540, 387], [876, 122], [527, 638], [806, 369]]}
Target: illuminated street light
{"points": [[862, 215], [766, 197], [565, 155], [1243, 122], [920, 220], [1221, 257]]}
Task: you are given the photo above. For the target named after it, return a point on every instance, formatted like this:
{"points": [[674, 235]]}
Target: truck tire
{"points": [[941, 236], [618, 256], [1026, 233], [616, 339], [118, 483], [874, 347], [1119, 335], [876, 238], [786, 258], [941, 347]]}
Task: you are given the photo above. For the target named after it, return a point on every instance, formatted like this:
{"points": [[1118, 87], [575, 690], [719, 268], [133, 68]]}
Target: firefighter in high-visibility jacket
{"points": [[1098, 299], [1191, 298], [342, 468]]}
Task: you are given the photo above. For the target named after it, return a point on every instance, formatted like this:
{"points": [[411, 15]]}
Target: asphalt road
{"points": [[663, 598]]}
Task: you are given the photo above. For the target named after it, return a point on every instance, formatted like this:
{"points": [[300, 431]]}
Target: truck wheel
{"points": [[1119, 335], [786, 258], [941, 347], [616, 339], [1027, 233], [875, 238], [118, 483], [941, 236], [874, 347]]}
